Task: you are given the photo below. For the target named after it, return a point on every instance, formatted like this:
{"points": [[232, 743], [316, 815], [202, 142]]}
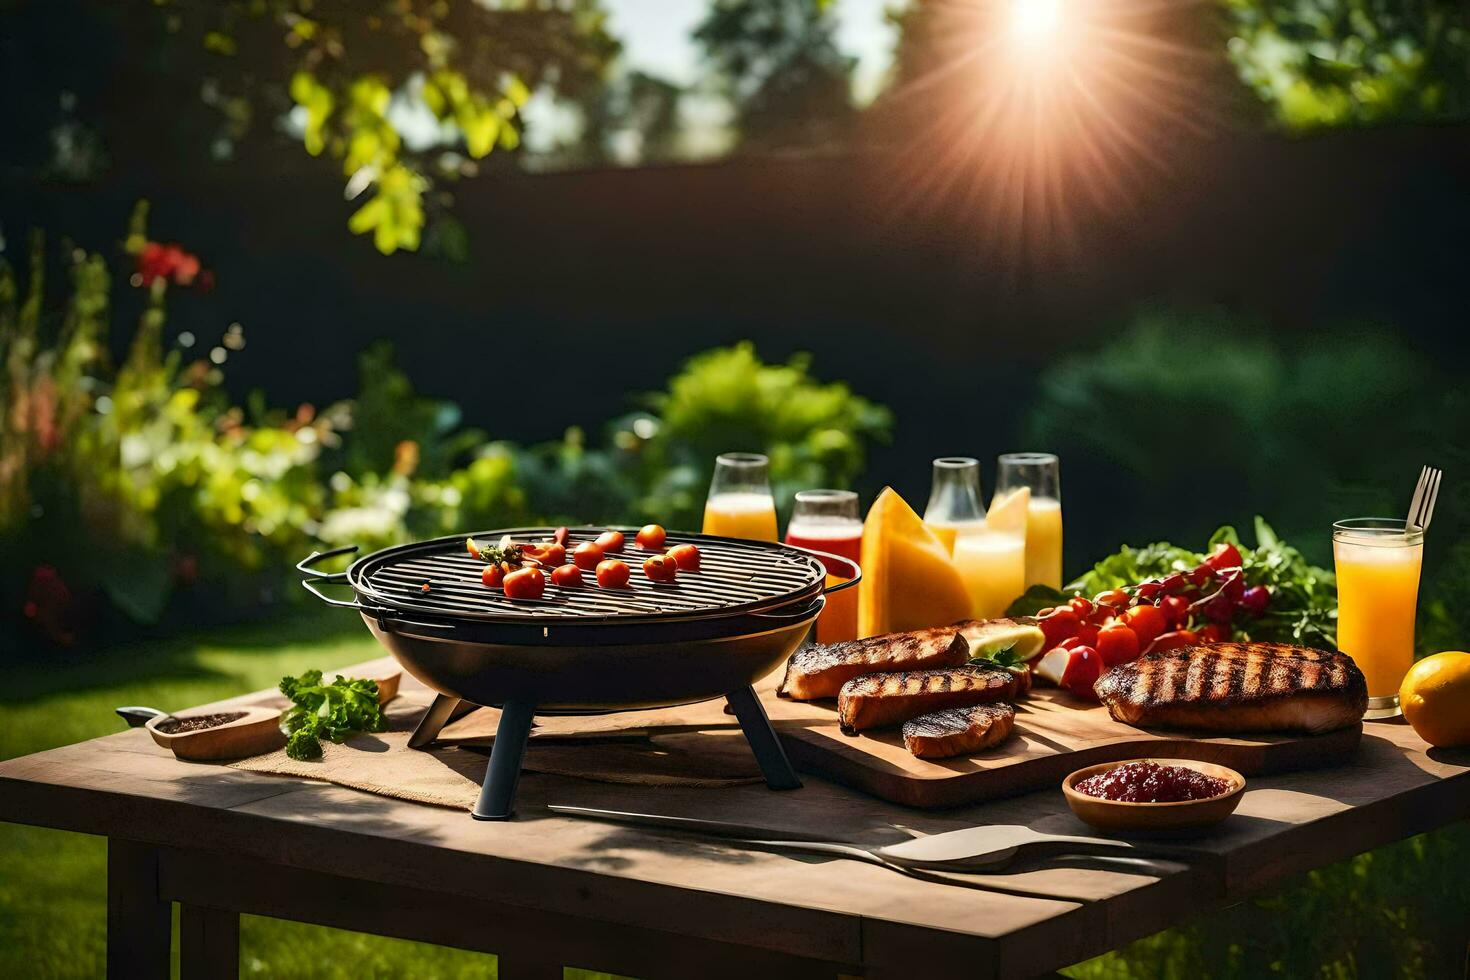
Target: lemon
{"points": [[1435, 698]]}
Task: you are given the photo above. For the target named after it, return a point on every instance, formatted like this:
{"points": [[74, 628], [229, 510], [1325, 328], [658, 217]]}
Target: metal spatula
{"points": [[970, 849]]}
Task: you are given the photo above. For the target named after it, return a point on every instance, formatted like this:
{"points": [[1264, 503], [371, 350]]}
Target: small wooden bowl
{"points": [[1123, 817], [257, 731]]}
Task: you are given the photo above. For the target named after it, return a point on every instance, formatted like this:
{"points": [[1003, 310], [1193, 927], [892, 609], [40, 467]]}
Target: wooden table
{"points": [[545, 892]]}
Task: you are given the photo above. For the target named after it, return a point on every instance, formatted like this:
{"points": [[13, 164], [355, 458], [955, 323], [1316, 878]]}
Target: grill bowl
{"points": [[713, 631]]}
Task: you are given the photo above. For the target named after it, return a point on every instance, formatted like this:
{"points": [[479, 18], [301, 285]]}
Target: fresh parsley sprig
{"points": [[333, 711]]}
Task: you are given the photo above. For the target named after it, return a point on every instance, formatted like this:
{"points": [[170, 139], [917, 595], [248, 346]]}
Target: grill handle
{"points": [[304, 565], [828, 561], [316, 578], [806, 611]]}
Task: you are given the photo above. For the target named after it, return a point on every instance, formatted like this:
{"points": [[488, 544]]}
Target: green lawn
{"points": [[1401, 910]]}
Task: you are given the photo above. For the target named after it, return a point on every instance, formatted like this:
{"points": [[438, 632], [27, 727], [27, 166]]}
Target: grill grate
{"points": [[734, 576]]}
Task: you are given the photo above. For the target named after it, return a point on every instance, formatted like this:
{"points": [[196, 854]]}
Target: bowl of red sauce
{"points": [[1153, 795]]}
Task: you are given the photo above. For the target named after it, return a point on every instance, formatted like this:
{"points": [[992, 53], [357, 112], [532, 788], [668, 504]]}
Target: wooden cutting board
{"points": [[1055, 734]]}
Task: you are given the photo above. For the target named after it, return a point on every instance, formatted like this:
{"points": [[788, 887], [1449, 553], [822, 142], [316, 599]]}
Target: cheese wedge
{"points": [[909, 582]]}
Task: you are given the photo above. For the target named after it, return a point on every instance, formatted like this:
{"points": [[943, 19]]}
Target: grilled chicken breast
{"points": [[1237, 687], [820, 671], [881, 700], [957, 731]]}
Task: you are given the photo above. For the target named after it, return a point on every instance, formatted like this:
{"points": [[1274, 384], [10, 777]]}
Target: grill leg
{"points": [[769, 754], [444, 710], [498, 791]]}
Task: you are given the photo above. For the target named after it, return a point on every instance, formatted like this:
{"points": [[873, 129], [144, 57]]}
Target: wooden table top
{"points": [[835, 910]]}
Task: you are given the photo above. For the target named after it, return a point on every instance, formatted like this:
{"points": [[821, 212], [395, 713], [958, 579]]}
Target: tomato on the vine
{"points": [[1117, 644], [1061, 624], [1146, 621], [1224, 557]]}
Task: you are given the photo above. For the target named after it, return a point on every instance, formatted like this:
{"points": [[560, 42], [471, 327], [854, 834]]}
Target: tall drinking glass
{"points": [[954, 499], [1041, 474], [1378, 561], [828, 521], [740, 504]]}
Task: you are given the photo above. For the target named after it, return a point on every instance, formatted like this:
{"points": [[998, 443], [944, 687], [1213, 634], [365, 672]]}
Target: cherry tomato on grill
{"points": [[493, 575], [610, 541], [587, 555], [613, 574], [651, 537], [1148, 622], [525, 583], [550, 555], [686, 556], [660, 568], [1117, 644], [567, 576], [471, 547]]}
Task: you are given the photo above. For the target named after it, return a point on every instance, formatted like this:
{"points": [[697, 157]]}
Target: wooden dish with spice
{"points": [[1174, 795], [222, 733]]}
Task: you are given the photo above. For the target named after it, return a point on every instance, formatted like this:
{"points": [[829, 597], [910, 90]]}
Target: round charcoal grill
{"points": [[710, 633]]}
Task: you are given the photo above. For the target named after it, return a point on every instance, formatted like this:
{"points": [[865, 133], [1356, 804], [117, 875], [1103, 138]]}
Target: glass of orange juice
{"points": [[1040, 473], [740, 504], [1378, 561]]}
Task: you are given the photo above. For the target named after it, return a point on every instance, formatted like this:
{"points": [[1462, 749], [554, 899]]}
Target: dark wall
{"points": [[612, 278]]}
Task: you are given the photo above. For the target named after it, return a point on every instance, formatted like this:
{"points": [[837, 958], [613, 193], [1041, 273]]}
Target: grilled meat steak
{"points": [[956, 731], [820, 671], [881, 700], [1237, 687]]}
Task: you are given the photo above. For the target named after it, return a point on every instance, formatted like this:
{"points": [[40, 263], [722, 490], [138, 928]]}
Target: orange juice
{"points": [[741, 515], [1377, 596], [993, 566], [1044, 542]]}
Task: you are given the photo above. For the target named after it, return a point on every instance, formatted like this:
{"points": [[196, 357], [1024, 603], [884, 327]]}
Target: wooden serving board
{"points": [[1055, 735]]}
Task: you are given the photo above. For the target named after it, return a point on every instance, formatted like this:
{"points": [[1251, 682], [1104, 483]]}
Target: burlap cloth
{"points": [[697, 745]]}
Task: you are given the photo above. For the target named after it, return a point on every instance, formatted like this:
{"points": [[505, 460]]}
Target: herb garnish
{"points": [[333, 711]]}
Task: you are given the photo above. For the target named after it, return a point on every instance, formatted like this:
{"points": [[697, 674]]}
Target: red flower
{"points": [[48, 604], [169, 262]]}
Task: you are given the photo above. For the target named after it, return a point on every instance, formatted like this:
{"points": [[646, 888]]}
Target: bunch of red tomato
{"points": [[517, 568], [1087, 636]]}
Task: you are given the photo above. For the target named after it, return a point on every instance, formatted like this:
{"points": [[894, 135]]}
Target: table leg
{"points": [[209, 943], [139, 922]]}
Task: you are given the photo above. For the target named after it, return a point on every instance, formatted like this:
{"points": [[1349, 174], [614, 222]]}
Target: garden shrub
{"points": [[130, 489]]}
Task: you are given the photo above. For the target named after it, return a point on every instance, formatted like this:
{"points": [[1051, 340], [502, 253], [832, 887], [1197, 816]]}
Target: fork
{"points": [[1421, 505]]}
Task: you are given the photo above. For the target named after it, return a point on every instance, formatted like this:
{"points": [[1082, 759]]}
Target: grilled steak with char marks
{"points": [[820, 671], [1237, 687], [881, 700], [956, 731]]}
